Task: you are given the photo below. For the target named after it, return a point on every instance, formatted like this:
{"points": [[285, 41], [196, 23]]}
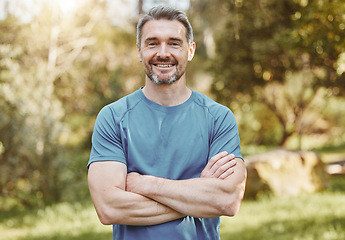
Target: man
{"points": [[165, 160]]}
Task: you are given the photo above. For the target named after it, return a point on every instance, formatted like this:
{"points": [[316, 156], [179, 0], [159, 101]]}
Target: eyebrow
{"points": [[176, 39], [151, 39], [170, 39]]}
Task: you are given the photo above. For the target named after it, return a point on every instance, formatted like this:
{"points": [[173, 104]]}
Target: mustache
{"points": [[162, 60]]}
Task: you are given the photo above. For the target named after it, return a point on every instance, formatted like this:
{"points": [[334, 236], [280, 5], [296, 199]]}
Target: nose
{"points": [[163, 51]]}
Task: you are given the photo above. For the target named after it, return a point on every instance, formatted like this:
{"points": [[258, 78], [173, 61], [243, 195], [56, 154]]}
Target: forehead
{"points": [[163, 29]]}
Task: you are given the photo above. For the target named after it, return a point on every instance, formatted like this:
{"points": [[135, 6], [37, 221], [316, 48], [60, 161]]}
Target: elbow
{"points": [[107, 218], [105, 221], [104, 218], [232, 204], [231, 209]]}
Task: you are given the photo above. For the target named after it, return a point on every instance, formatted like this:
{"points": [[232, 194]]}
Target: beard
{"points": [[154, 78], [167, 80]]}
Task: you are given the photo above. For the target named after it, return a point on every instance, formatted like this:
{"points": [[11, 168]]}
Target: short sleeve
{"points": [[106, 138], [225, 134]]}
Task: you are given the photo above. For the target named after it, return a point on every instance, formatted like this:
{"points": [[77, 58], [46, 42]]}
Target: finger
{"points": [[218, 167], [227, 173], [221, 162], [224, 168], [216, 162], [214, 159]]}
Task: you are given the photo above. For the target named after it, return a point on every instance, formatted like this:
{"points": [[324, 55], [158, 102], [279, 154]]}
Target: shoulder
{"points": [[118, 109], [214, 108]]}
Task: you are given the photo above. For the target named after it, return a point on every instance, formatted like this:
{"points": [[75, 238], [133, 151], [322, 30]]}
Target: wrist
{"points": [[148, 184]]}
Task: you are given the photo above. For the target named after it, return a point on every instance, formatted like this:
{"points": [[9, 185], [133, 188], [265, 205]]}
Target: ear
{"points": [[191, 51], [139, 53]]}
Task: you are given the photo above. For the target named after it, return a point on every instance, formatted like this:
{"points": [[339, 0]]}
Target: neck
{"points": [[167, 94]]}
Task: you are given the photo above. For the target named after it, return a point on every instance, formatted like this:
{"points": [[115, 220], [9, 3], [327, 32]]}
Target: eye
{"points": [[151, 44], [175, 44]]}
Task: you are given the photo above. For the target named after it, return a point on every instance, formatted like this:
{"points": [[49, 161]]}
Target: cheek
{"points": [[145, 55]]}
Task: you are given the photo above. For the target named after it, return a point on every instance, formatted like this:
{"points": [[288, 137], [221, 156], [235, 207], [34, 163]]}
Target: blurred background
{"points": [[278, 65]]}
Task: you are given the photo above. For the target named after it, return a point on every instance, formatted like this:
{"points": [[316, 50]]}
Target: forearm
{"points": [[121, 207], [114, 205], [198, 197]]}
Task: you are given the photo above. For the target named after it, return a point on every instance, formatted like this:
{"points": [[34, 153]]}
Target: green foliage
{"points": [[280, 53], [264, 39], [56, 74]]}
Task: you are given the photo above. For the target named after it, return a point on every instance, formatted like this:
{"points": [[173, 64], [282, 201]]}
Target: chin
{"points": [[158, 81]]}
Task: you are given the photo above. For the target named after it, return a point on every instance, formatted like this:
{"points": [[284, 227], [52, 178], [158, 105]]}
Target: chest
{"points": [[172, 145]]}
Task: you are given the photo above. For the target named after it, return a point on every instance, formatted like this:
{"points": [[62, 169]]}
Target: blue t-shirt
{"points": [[170, 142]]}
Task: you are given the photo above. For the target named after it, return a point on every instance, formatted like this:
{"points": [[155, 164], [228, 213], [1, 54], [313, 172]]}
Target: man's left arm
{"points": [[205, 197]]}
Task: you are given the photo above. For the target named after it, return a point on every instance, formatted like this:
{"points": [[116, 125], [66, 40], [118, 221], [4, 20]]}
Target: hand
{"points": [[133, 182], [220, 166]]}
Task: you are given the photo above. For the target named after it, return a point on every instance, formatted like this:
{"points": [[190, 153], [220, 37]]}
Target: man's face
{"points": [[165, 51]]}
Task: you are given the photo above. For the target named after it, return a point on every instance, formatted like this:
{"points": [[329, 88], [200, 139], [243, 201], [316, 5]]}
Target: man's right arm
{"points": [[114, 205]]}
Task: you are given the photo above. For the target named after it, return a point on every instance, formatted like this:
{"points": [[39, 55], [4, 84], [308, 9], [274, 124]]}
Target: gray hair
{"points": [[167, 13]]}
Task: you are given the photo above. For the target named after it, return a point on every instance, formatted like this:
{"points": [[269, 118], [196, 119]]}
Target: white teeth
{"points": [[163, 65]]}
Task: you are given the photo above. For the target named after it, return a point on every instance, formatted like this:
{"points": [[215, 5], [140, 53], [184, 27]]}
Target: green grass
{"points": [[68, 221], [318, 216]]}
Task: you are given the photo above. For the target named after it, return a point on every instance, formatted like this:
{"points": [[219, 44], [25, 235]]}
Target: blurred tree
{"points": [[290, 101], [56, 74], [270, 43], [207, 18]]}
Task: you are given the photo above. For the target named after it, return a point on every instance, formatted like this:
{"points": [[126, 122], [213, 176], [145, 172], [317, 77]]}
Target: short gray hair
{"points": [[167, 13]]}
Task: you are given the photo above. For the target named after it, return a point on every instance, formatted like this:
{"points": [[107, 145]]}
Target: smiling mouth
{"points": [[164, 65]]}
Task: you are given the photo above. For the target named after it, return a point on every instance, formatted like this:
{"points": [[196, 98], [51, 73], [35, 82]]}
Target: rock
{"points": [[285, 173]]}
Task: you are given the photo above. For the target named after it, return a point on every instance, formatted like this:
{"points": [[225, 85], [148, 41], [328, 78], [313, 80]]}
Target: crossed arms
{"points": [[134, 199]]}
